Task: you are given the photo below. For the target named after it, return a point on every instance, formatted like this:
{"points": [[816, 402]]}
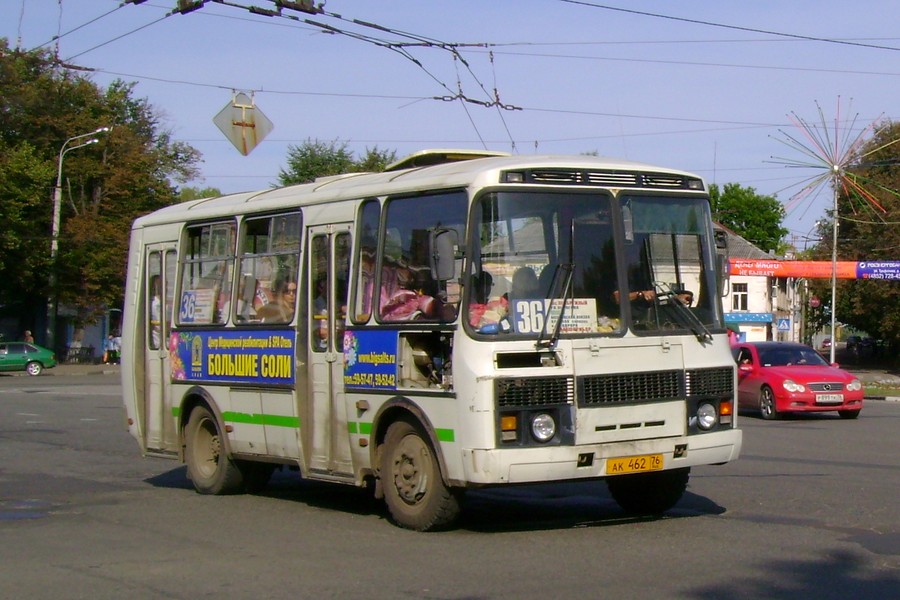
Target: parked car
{"points": [[25, 356], [852, 342], [826, 343], [868, 347], [784, 377]]}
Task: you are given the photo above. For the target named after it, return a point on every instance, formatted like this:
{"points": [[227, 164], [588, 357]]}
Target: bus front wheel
{"points": [[649, 493], [209, 467], [411, 478]]}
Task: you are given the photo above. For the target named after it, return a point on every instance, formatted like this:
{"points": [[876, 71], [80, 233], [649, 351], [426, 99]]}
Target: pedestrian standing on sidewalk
{"points": [[28, 337], [111, 350]]}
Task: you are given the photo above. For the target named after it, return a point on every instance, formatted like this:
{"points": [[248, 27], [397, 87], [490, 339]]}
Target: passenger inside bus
{"points": [[155, 313], [320, 313], [406, 293], [281, 308], [485, 309]]}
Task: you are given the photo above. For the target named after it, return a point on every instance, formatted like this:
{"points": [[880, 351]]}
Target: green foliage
{"points": [[754, 217], [314, 158], [868, 231], [105, 185], [24, 238], [375, 160], [194, 193]]}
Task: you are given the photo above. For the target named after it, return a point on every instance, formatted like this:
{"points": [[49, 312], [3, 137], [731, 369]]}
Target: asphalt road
{"points": [[809, 511]]}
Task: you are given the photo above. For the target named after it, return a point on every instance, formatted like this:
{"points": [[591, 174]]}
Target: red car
{"points": [[783, 377]]}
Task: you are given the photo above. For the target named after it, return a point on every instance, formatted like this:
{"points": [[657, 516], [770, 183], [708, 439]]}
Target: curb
{"points": [[883, 398]]}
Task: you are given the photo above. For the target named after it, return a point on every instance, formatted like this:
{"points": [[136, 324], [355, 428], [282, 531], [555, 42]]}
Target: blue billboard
{"points": [[233, 356]]}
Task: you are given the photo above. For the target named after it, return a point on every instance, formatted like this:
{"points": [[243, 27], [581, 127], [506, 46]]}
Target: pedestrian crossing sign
{"points": [[784, 324]]}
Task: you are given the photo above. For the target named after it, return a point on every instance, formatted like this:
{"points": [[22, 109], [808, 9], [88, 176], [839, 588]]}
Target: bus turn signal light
{"points": [[508, 426]]}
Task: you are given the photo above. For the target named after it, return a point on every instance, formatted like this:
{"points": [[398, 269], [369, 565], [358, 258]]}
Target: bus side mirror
{"points": [[444, 243], [722, 274], [722, 267]]}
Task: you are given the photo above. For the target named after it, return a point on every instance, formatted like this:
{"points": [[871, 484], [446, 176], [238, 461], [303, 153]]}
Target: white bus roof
{"points": [[481, 168]]}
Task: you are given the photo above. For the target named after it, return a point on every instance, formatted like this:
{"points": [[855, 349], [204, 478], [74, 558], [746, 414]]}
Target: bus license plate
{"points": [[829, 398], [634, 464]]}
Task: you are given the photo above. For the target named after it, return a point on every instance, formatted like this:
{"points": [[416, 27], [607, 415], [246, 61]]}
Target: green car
{"points": [[25, 356]]}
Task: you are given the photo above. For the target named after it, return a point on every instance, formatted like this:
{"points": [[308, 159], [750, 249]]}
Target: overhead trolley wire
{"points": [[726, 26]]}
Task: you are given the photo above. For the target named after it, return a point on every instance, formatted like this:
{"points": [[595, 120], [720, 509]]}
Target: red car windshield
{"points": [[784, 357]]}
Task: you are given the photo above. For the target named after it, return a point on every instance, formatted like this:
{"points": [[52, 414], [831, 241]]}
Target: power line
{"points": [[59, 36], [119, 37], [725, 26], [695, 63]]}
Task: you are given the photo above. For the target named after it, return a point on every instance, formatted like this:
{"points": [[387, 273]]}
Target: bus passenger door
{"points": [[160, 432], [328, 269]]}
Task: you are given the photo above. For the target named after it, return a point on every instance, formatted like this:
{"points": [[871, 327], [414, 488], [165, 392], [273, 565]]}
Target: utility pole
{"points": [[53, 300]]}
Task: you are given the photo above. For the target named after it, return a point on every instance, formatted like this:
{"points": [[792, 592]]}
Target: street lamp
{"points": [[836, 174], [54, 235]]}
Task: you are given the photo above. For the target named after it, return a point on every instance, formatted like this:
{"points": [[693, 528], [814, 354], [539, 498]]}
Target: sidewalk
{"points": [[80, 369], [880, 377]]}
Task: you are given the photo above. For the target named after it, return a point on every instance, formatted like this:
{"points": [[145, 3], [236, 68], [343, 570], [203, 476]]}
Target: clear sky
{"points": [[709, 86]]}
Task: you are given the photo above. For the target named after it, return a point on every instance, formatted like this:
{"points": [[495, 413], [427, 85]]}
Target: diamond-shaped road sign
{"points": [[243, 124]]}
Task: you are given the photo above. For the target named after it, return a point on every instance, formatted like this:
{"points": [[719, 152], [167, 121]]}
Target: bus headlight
{"points": [[543, 427], [707, 416]]}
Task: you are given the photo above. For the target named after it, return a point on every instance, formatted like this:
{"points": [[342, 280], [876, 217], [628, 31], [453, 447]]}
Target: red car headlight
{"points": [[793, 386]]}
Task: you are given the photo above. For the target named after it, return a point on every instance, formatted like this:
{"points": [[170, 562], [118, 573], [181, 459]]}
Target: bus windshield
{"points": [[564, 263]]}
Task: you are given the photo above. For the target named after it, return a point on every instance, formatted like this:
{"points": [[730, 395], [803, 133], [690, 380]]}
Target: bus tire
{"points": [[649, 493], [414, 491], [210, 469]]}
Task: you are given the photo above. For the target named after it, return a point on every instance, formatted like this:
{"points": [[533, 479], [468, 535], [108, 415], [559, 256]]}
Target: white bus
{"points": [[458, 321]]}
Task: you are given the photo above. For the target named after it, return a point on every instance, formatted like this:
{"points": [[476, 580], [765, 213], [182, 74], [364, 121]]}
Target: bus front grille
{"points": [[629, 387], [652, 386], [534, 391], [709, 382]]}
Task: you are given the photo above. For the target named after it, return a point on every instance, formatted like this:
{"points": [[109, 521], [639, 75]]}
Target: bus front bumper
{"points": [[558, 463]]}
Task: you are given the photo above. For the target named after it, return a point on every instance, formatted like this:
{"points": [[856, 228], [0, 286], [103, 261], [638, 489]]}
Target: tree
{"points": [[314, 158], [194, 193], [754, 217], [868, 233], [376, 160], [23, 208], [130, 172]]}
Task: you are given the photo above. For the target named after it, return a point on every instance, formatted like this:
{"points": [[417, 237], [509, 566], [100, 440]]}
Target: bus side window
{"points": [[364, 283], [154, 301], [409, 289], [206, 272], [268, 263]]}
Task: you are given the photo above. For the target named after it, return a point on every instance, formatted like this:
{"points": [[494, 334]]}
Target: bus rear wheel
{"points": [[209, 467], [649, 493], [411, 478]]}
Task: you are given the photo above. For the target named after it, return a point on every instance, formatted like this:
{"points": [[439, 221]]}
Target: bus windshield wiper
{"points": [[665, 296], [569, 268]]}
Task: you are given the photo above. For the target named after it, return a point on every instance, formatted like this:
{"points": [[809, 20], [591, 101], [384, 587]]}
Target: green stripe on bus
{"points": [[260, 419], [445, 435], [253, 418], [362, 428]]}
